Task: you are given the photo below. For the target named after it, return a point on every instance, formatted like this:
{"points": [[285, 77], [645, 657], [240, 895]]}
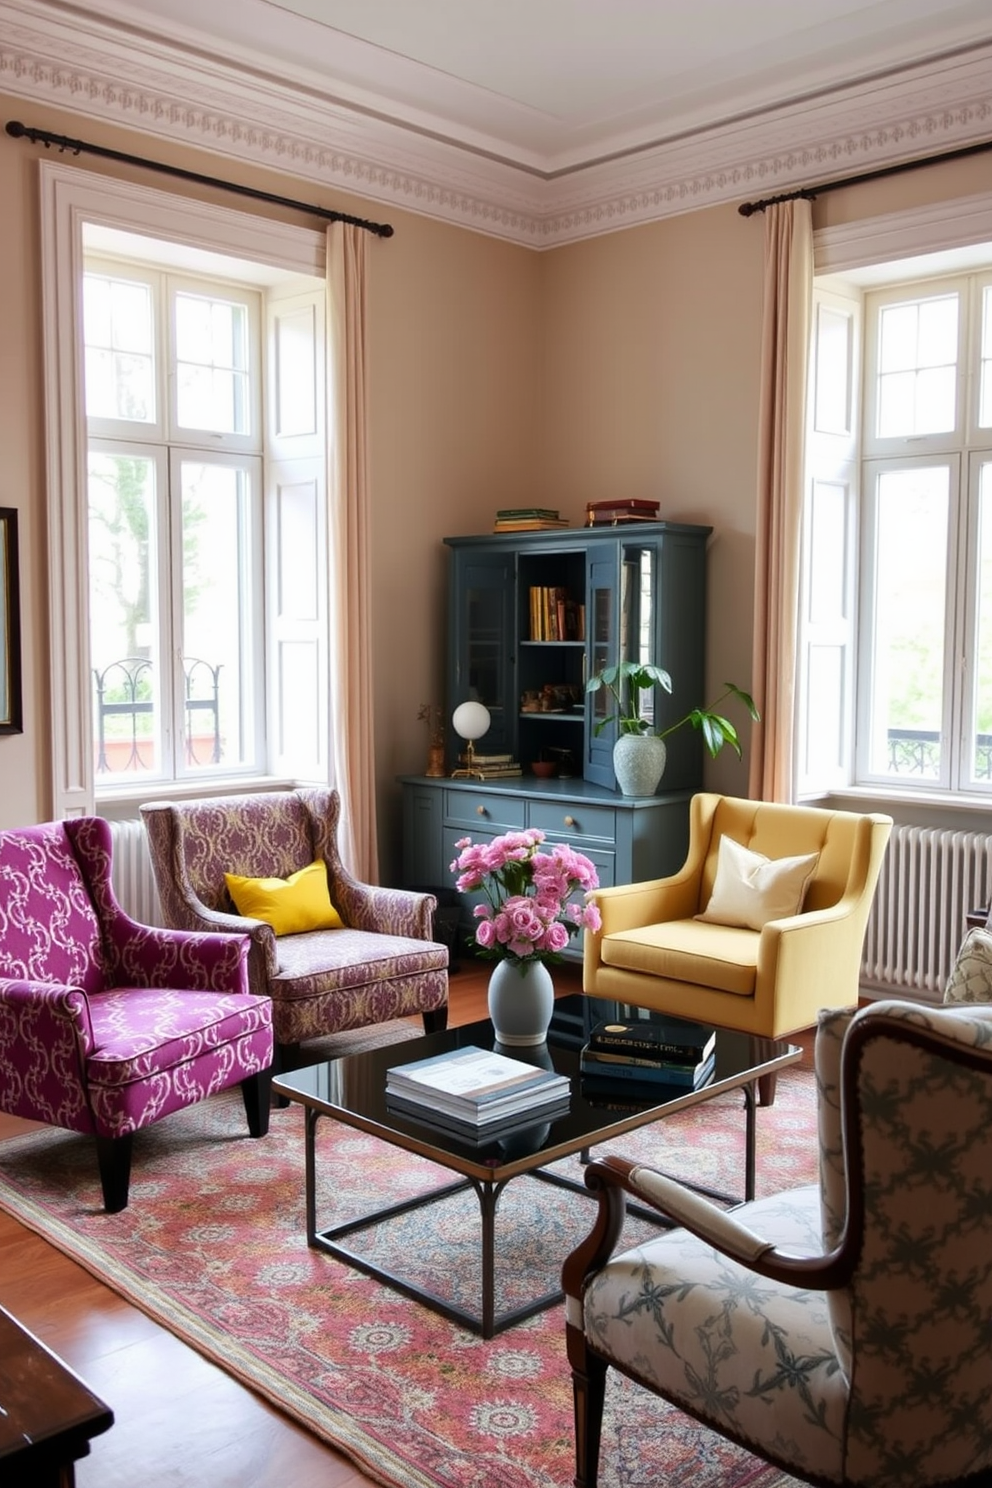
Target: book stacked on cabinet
{"points": [[491, 766], [617, 513], [476, 1092], [650, 1057], [528, 519]]}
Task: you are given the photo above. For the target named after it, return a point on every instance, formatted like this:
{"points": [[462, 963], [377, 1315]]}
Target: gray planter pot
{"points": [[639, 763]]}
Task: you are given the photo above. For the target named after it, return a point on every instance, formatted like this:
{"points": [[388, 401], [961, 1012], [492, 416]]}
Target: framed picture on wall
{"points": [[10, 625]]}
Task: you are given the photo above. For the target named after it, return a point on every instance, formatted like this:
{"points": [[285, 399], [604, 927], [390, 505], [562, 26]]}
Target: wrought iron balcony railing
{"points": [[917, 752], [124, 689]]}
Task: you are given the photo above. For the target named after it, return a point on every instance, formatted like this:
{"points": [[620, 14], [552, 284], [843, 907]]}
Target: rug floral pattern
{"points": [[212, 1245]]}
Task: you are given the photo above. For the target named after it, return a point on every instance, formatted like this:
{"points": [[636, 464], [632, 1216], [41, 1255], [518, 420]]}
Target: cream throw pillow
{"points": [[751, 889], [290, 905], [971, 978]]}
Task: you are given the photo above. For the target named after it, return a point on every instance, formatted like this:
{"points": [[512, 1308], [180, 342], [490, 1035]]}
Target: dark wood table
{"points": [[47, 1413], [352, 1090]]}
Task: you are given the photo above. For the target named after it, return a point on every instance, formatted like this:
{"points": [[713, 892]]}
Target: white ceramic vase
{"points": [[521, 1001], [639, 763]]}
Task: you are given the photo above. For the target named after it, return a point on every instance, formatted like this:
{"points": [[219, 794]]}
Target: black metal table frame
{"points": [[487, 1322]]}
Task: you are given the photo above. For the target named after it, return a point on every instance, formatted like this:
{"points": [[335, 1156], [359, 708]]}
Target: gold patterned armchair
{"points": [[377, 959]]}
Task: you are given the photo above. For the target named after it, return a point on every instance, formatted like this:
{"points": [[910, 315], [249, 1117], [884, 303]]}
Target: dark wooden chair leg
{"points": [[256, 1092], [766, 1089], [114, 1157], [589, 1392], [436, 1021]]}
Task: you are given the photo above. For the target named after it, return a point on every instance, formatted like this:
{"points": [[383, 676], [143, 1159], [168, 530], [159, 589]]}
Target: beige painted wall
{"points": [[650, 386], [624, 366], [454, 432]]}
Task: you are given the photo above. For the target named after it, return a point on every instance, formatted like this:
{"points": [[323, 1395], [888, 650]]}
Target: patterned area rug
{"points": [[212, 1246]]}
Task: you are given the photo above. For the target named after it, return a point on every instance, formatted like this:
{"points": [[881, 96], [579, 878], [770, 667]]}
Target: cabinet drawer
{"points": [[482, 808], [568, 819]]}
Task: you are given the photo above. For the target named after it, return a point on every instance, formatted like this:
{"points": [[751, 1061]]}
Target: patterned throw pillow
{"points": [[971, 978]]}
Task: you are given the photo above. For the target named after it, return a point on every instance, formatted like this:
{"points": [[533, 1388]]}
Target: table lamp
{"points": [[470, 721]]}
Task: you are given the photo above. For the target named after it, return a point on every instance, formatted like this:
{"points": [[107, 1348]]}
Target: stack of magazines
{"points": [[476, 1091]]}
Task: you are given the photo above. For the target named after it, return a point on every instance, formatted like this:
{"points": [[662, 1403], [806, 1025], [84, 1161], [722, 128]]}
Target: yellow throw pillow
{"points": [[289, 905], [750, 889]]}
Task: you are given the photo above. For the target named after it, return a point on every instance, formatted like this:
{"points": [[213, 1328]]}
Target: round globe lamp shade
{"points": [[470, 720]]}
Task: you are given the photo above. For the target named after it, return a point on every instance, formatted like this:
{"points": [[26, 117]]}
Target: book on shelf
{"points": [[473, 1132], [644, 1074], [497, 772], [676, 1040], [521, 513], [477, 1086], [554, 615], [487, 759]]}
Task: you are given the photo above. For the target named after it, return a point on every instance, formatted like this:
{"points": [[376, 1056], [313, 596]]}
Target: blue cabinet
{"points": [[533, 615]]}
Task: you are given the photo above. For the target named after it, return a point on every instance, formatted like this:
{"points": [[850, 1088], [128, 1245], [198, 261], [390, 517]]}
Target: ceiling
{"points": [[552, 85], [524, 113]]}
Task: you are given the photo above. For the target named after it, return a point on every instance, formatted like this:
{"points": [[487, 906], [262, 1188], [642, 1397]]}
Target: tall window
{"points": [[187, 508], [173, 407], [900, 498]]}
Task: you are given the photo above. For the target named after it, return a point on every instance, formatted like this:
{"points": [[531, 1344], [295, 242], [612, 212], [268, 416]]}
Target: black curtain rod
{"points": [[810, 193], [80, 147]]}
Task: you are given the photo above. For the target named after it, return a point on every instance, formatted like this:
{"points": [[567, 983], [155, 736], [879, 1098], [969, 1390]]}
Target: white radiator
{"points": [[131, 874], [929, 881]]}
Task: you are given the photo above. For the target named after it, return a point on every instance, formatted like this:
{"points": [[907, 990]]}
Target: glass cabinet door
{"points": [[484, 648], [602, 640]]}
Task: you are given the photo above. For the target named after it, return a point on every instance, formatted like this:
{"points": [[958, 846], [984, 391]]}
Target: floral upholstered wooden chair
{"points": [[839, 1331], [369, 958], [107, 1025]]}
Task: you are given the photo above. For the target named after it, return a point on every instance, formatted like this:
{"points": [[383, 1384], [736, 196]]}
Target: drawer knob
{"points": [[481, 811], [570, 821]]}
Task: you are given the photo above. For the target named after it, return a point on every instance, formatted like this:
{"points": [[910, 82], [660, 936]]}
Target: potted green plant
{"points": [[636, 764]]}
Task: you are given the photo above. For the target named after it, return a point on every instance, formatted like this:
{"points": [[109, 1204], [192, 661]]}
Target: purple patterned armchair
{"points": [[106, 1025], [382, 963]]}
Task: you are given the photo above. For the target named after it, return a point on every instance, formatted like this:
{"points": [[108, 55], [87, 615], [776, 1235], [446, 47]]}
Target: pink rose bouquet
{"points": [[532, 898]]}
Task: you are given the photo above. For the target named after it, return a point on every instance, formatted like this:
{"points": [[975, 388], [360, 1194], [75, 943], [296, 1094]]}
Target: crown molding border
{"points": [[77, 63]]}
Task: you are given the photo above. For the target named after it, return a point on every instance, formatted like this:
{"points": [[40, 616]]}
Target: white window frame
{"points": [[899, 246], [171, 445], [71, 198]]}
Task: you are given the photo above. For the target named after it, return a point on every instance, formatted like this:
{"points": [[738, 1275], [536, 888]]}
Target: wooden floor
{"points": [[180, 1422]]}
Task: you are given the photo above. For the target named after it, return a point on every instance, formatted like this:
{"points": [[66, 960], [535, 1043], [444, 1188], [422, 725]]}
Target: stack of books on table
{"points": [[527, 519], [476, 1092], [616, 513], [492, 766], [644, 1054]]}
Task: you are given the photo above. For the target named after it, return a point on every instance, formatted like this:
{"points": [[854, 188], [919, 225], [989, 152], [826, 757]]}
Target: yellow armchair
{"points": [[654, 952]]}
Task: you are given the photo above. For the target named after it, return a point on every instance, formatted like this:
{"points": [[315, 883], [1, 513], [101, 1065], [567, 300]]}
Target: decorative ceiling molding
{"points": [[71, 61]]}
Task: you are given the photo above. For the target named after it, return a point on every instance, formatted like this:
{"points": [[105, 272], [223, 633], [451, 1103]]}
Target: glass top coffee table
{"points": [[352, 1090]]}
